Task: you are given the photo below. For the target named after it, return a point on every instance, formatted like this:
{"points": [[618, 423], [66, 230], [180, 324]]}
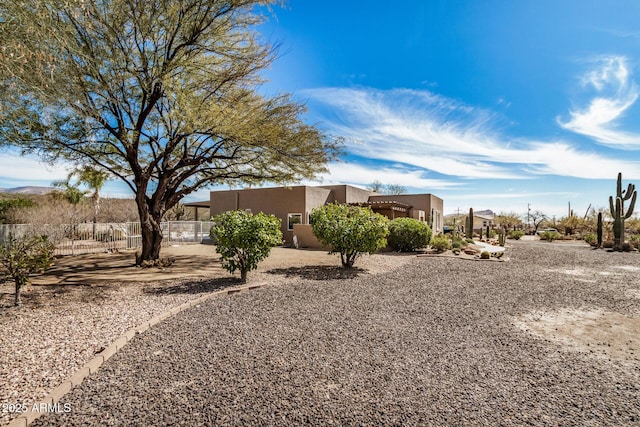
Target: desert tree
{"points": [[537, 218], [164, 95], [508, 220]]}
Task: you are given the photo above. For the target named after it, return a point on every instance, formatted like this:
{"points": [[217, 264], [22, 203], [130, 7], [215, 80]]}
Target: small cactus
{"points": [[599, 230]]}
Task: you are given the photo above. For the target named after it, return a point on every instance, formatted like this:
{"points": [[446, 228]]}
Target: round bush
{"points": [[516, 234], [408, 234], [440, 243]]}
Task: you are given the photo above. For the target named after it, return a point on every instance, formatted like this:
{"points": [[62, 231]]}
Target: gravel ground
{"points": [[433, 343], [84, 305]]}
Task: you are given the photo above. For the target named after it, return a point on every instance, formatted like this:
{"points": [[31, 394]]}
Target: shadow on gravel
{"points": [[193, 287], [319, 272]]}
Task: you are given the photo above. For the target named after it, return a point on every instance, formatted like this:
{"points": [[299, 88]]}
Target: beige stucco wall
{"points": [[278, 201], [281, 201], [348, 194], [306, 238]]}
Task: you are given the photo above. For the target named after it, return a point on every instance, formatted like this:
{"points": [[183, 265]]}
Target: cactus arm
{"points": [[619, 185], [611, 207], [631, 205], [630, 190]]}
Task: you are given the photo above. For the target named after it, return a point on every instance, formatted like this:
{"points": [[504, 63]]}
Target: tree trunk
{"points": [[18, 300], [151, 233], [243, 276]]}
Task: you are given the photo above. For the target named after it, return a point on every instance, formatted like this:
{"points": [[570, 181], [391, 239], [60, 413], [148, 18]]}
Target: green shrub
{"points": [[349, 230], [591, 238], [549, 236], [23, 256], [440, 243], [244, 239], [485, 255], [408, 234], [456, 245], [470, 241], [516, 234]]}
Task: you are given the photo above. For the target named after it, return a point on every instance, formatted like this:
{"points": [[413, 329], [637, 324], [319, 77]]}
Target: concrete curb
{"points": [[49, 403]]}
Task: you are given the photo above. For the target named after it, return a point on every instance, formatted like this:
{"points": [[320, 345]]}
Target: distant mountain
{"points": [[27, 190]]}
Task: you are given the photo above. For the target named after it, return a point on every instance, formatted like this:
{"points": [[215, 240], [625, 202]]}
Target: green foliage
{"points": [[516, 234], [549, 236], [9, 204], [591, 238], [244, 239], [349, 230], [441, 243], [23, 256], [163, 94], [408, 234]]}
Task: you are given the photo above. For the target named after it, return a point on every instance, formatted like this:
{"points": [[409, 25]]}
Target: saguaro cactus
{"points": [[599, 229], [469, 230], [618, 212]]}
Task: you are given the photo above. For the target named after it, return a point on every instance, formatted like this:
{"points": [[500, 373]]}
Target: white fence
{"points": [[102, 237]]}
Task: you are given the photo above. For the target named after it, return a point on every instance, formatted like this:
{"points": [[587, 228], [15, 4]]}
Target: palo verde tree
{"points": [[161, 94]]}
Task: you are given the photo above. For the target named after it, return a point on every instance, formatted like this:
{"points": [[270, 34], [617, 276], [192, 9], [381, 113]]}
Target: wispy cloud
{"points": [[617, 92], [363, 175], [430, 132], [29, 171]]}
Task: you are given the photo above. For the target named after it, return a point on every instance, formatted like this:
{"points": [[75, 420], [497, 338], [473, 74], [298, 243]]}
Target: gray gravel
{"points": [[430, 344]]}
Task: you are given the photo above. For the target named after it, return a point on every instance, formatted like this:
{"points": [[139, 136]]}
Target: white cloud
{"points": [[430, 132], [617, 93], [24, 170], [361, 175]]}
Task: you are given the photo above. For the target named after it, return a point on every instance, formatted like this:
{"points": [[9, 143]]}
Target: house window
{"points": [[293, 218]]}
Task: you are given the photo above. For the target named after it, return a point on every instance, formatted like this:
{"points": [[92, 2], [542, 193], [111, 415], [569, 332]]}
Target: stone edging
{"points": [[94, 364]]}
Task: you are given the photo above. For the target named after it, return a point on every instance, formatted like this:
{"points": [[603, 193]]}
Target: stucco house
{"points": [[294, 204]]}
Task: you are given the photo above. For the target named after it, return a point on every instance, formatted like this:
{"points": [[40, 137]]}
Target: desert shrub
{"points": [[408, 234], [485, 255], [22, 256], [456, 245], [634, 239], [549, 236], [516, 234], [591, 238], [349, 230], [470, 241], [244, 239], [440, 243]]}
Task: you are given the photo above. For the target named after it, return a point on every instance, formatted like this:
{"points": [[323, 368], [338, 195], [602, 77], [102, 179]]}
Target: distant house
{"points": [[481, 220], [294, 204]]}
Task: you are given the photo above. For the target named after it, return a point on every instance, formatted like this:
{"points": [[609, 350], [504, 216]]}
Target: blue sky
{"points": [[491, 105]]}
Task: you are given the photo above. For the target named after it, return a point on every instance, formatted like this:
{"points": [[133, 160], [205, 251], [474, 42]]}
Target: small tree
{"points": [[408, 234], [22, 256], [349, 230], [244, 239]]}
